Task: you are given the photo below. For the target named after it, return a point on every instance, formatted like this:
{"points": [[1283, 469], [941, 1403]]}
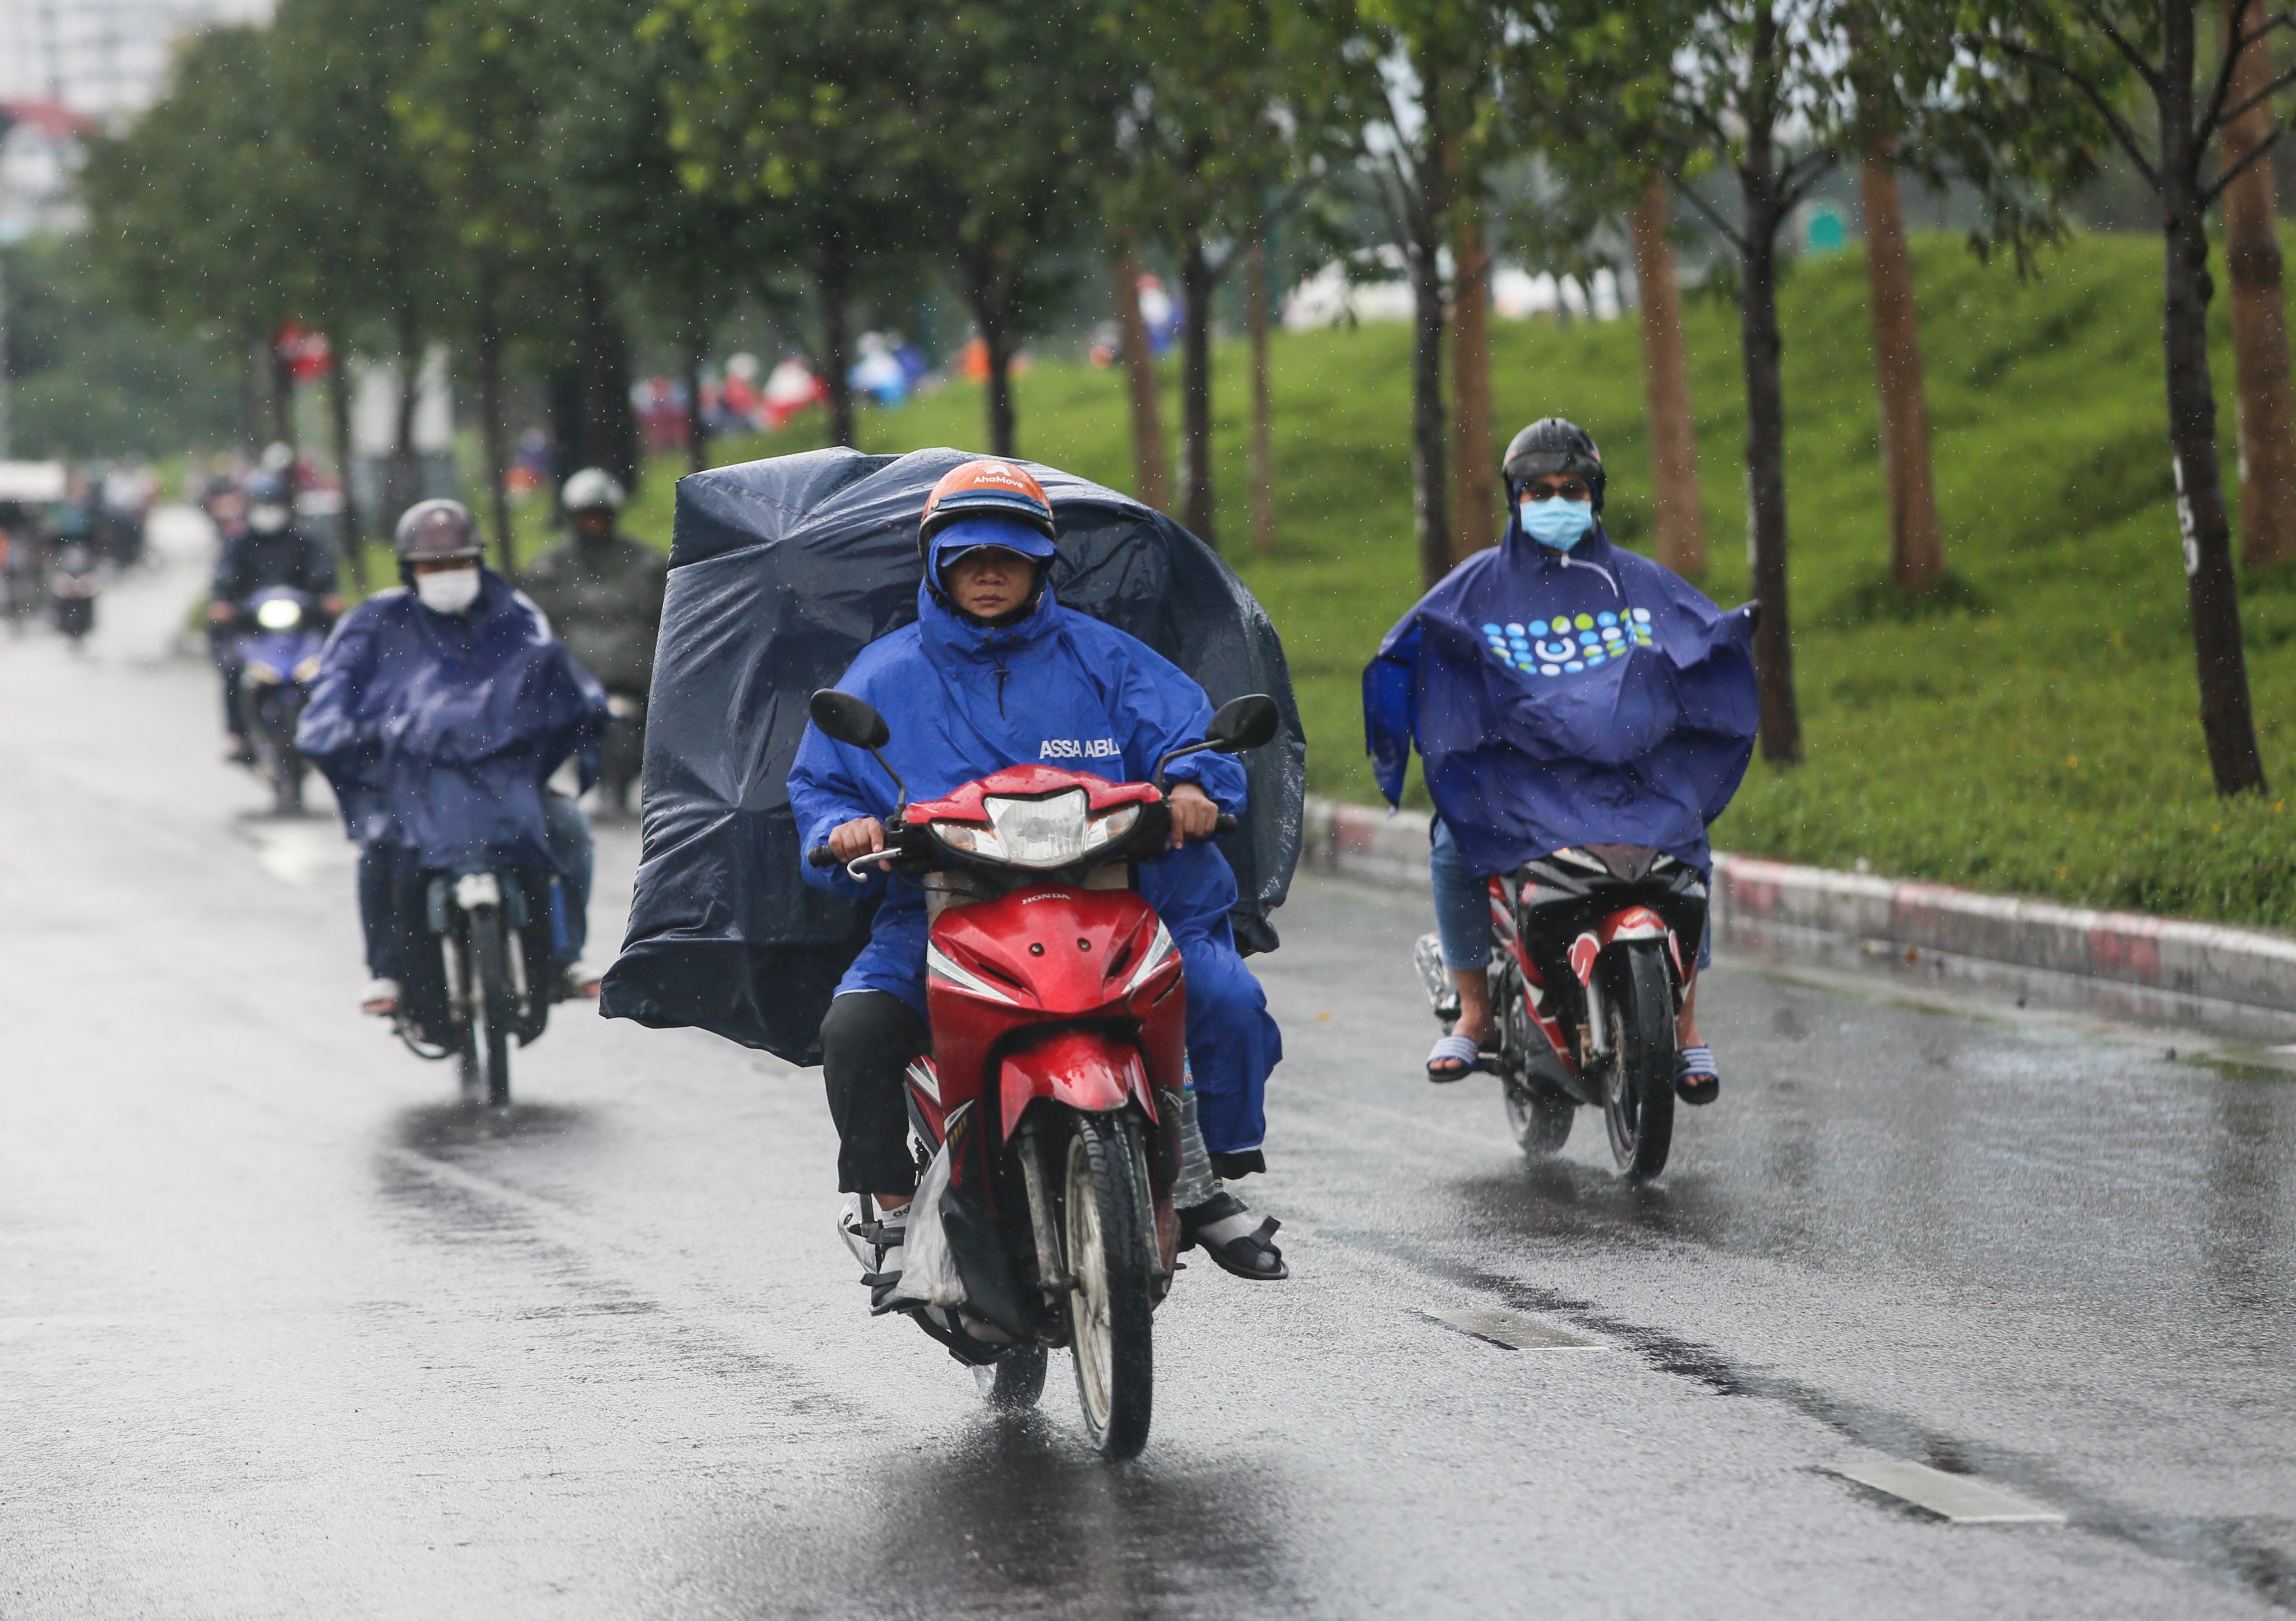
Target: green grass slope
{"points": [[2038, 737]]}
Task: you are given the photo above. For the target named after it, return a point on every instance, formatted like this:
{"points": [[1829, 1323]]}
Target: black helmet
{"points": [[1552, 445], [437, 529]]}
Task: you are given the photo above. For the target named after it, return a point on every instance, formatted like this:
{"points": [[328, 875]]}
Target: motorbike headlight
{"points": [[309, 669], [967, 840], [1048, 833], [261, 674], [1107, 829], [279, 614]]}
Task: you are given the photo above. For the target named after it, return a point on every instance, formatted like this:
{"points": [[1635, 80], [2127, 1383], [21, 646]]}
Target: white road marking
{"points": [[1955, 1497], [1510, 1330]]}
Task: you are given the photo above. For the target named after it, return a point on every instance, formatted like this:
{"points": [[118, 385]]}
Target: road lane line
{"points": [[1510, 1330], [1964, 1501]]}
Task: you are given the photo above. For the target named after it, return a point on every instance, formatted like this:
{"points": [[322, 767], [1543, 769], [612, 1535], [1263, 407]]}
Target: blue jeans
{"points": [[570, 847], [1462, 910]]}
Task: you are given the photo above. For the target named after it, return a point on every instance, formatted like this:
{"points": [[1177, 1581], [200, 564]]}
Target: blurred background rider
{"points": [[270, 550], [603, 593]]}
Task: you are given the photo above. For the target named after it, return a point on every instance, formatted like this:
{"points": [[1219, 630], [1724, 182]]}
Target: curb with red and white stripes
{"points": [[2240, 982]]}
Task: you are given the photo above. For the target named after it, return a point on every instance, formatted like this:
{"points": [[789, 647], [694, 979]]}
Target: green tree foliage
{"points": [[798, 113]]}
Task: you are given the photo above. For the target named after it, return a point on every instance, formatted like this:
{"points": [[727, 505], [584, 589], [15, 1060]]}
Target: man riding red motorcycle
{"points": [[996, 674]]}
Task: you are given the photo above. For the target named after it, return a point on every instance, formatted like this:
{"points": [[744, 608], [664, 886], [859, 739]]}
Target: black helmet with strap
{"points": [[1552, 444], [432, 530]]}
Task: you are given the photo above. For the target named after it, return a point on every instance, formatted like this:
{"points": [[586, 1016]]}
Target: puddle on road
{"points": [[302, 851]]}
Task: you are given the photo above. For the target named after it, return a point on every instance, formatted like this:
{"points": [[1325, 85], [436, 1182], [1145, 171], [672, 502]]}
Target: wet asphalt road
{"points": [[287, 1333]]}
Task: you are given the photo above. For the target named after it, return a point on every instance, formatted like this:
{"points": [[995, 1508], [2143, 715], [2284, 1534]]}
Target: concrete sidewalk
{"points": [[2238, 982]]}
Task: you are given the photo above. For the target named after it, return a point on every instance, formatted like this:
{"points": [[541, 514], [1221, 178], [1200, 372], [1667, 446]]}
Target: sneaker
{"points": [[379, 999], [580, 982]]}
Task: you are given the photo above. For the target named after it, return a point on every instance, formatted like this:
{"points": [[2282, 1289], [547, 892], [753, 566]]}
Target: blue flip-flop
{"points": [[1461, 1049], [1696, 1081]]}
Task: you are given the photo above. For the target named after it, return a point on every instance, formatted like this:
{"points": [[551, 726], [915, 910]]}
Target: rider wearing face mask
{"points": [[994, 672], [439, 714], [268, 550], [1561, 691]]}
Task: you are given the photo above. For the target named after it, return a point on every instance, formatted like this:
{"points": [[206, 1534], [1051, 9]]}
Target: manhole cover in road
{"points": [[1954, 1497], [1512, 1330]]}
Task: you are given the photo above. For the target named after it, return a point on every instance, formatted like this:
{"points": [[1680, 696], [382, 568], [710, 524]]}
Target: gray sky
{"points": [[106, 55]]}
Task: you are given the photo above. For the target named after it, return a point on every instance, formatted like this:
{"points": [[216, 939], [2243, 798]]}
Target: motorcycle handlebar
{"points": [[820, 855]]}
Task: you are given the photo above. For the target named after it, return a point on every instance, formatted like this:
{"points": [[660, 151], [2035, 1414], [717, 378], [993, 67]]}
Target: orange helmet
{"points": [[985, 486]]}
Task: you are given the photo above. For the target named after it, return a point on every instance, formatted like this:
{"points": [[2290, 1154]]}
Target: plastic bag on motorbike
{"points": [[782, 571], [929, 1273]]}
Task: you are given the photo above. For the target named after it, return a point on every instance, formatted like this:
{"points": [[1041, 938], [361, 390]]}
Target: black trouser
{"points": [[867, 1042]]}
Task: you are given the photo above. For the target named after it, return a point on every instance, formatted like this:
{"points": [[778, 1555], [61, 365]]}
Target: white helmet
{"points": [[592, 489]]}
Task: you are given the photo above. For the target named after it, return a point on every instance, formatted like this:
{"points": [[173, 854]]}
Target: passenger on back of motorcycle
{"points": [[1548, 732], [439, 714], [994, 673]]}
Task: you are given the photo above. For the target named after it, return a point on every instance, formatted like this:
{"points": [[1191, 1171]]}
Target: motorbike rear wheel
{"points": [[1639, 1078], [492, 1007], [1109, 1248]]}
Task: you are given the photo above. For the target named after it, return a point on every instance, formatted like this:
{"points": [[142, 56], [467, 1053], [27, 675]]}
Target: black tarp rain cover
{"points": [[781, 572]]}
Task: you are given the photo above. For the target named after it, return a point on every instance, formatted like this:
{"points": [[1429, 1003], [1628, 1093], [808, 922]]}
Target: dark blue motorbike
{"points": [[277, 652]]}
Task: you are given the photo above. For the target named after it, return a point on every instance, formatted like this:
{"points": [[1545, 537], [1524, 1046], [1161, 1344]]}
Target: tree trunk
{"points": [[697, 419], [2261, 387], [596, 424], [1765, 456], [1196, 283], [252, 348], [1916, 545], [406, 471], [1678, 515], [282, 404], [1263, 425], [836, 279], [489, 345], [352, 541], [1152, 477], [1477, 472], [2211, 594]]}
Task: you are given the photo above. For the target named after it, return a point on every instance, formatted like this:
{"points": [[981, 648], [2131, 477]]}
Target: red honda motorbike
{"points": [[1591, 953], [1057, 1006]]}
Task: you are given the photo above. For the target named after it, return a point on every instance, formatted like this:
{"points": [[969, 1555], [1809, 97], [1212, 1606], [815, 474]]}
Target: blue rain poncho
{"points": [[438, 731], [1559, 699]]}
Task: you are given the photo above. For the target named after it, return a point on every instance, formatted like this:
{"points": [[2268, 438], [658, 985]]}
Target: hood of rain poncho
{"points": [[1562, 698], [437, 731], [782, 572]]}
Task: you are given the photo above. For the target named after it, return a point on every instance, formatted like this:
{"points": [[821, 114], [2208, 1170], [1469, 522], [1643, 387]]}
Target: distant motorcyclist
{"points": [[602, 592], [439, 714], [270, 552], [1561, 691], [994, 673]]}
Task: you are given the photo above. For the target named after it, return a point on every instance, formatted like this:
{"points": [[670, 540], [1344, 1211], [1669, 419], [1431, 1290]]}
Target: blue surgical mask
{"points": [[1556, 522]]}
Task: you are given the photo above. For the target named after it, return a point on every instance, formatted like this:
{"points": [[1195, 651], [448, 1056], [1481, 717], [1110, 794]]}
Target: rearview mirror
{"points": [[1244, 723], [846, 719]]}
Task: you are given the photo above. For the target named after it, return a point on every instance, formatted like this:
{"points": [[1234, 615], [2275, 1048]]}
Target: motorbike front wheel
{"points": [[1015, 1381], [493, 1008], [1639, 1078], [1109, 1235]]}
